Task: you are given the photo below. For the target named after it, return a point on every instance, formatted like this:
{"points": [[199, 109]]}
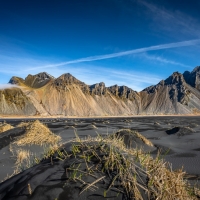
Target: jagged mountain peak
{"points": [[98, 89], [66, 75], [33, 81], [38, 80], [196, 69], [45, 75], [68, 79], [123, 92], [96, 85], [193, 78], [120, 88], [175, 78], [40, 76], [16, 80]]}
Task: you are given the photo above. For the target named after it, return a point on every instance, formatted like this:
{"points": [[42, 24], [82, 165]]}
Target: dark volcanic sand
{"points": [[178, 138]]}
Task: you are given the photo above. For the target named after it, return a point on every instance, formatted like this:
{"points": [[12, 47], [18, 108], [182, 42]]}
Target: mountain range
{"points": [[44, 95]]}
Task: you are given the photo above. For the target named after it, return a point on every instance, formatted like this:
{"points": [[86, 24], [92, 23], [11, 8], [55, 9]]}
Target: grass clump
{"points": [[137, 135], [23, 124], [38, 134], [5, 127], [23, 159], [130, 171]]}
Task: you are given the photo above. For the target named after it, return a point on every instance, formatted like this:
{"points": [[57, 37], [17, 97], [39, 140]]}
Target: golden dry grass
{"points": [[22, 159], [131, 164], [38, 134], [5, 127], [138, 135], [23, 124]]}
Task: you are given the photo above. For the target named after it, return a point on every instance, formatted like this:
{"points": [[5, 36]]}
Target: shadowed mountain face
{"points": [[68, 96], [193, 78], [67, 79], [172, 96]]}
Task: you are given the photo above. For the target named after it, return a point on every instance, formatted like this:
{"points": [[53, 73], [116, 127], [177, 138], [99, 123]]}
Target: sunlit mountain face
{"points": [[44, 95]]}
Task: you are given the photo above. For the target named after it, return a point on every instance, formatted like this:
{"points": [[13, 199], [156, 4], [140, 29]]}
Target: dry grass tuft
{"points": [[38, 134], [5, 127], [138, 135], [23, 124], [140, 175], [22, 159]]}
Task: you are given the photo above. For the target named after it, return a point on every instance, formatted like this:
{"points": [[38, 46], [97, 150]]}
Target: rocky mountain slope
{"points": [[42, 94], [33, 81], [170, 96], [71, 97], [14, 102], [193, 78]]}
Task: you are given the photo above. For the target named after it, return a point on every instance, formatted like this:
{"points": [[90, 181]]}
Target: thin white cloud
{"points": [[163, 60], [92, 74], [133, 76], [133, 79], [124, 53], [7, 86]]}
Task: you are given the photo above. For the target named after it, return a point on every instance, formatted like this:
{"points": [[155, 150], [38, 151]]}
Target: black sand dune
{"points": [[51, 179], [177, 141], [8, 136]]}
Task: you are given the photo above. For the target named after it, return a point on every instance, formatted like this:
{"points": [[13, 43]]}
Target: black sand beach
{"points": [[176, 138]]}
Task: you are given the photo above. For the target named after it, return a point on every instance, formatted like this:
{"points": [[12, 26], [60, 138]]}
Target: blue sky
{"points": [[135, 43]]}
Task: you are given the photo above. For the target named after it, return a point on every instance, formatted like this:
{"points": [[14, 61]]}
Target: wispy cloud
{"points": [[124, 53], [131, 78], [163, 60], [91, 74], [7, 86], [172, 21], [134, 76]]}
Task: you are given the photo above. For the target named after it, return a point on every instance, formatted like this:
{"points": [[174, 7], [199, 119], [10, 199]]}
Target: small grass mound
{"points": [[102, 165], [23, 124], [5, 127], [136, 134], [38, 134]]}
